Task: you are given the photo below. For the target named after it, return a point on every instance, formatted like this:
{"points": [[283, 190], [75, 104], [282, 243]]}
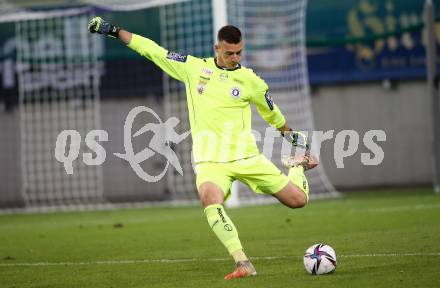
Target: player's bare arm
{"points": [[124, 36]]}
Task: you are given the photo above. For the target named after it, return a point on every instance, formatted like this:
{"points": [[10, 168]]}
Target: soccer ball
{"points": [[320, 259]]}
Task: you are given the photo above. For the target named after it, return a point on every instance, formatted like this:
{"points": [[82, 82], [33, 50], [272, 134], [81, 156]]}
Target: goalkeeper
{"points": [[219, 92]]}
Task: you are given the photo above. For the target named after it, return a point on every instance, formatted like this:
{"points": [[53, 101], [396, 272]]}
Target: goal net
{"points": [[58, 90], [65, 83]]}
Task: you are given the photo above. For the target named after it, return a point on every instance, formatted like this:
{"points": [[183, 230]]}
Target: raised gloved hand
{"points": [[99, 25]]}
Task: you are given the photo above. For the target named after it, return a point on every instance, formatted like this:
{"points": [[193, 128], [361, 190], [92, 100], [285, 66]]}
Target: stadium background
{"points": [[367, 71], [366, 66]]}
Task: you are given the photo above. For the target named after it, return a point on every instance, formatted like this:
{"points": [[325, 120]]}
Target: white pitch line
{"points": [[143, 261], [390, 255]]}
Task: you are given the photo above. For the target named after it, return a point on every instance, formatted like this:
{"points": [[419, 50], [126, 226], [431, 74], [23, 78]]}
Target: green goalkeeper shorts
{"points": [[261, 175]]}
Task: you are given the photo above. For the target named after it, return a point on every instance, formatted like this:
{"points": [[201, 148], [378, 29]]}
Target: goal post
{"points": [[220, 19], [432, 83]]}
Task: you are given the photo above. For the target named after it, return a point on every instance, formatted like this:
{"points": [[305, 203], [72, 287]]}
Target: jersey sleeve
{"points": [[265, 105], [173, 64]]}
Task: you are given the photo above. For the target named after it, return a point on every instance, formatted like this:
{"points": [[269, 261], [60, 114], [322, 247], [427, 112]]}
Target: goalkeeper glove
{"points": [[296, 138], [99, 25]]}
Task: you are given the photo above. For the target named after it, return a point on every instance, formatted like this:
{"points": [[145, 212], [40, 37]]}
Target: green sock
{"points": [[296, 175], [223, 227]]}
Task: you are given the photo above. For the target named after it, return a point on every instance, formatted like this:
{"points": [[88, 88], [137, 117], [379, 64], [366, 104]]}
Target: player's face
{"points": [[228, 54]]}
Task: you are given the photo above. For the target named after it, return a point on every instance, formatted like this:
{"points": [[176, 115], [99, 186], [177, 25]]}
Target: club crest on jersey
{"points": [[201, 89], [207, 71], [202, 85], [176, 56], [236, 92]]}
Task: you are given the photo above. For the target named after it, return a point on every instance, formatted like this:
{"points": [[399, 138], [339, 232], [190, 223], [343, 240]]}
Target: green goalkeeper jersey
{"points": [[218, 102]]}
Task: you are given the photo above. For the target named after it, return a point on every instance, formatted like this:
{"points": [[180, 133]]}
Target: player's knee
{"points": [[296, 201], [298, 198], [292, 198], [209, 194], [301, 201]]}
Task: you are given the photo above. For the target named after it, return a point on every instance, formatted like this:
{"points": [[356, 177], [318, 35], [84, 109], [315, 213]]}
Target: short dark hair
{"points": [[230, 34]]}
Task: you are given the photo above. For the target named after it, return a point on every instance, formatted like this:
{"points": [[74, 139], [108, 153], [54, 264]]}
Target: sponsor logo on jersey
{"points": [[223, 77], [269, 100], [207, 71], [176, 56], [236, 92]]}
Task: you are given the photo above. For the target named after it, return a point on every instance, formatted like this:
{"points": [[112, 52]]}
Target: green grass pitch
{"points": [[382, 239]]}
